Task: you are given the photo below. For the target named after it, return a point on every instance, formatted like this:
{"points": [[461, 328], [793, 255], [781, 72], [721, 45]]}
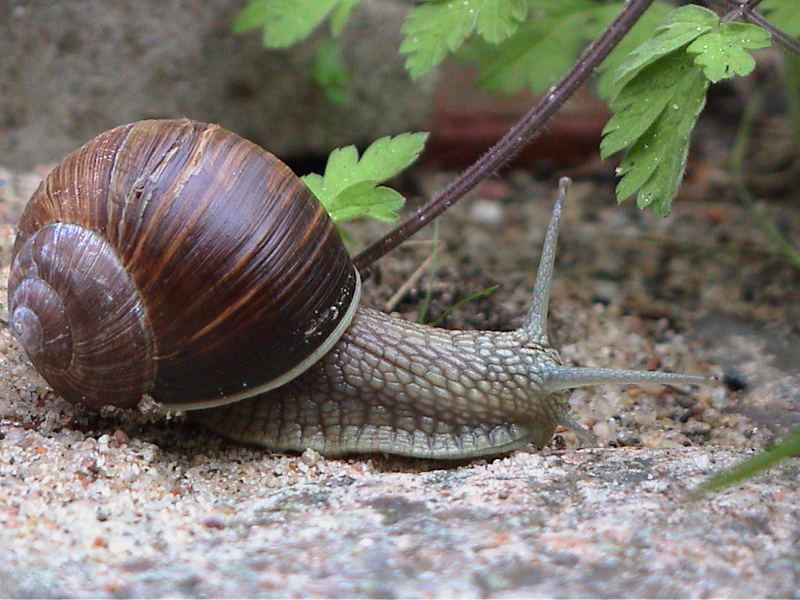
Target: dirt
{"points": [[121, 503]]}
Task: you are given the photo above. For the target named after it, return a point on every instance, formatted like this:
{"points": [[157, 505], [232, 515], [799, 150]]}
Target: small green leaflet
{"points": [[784, 13], [440, 26], [349, 188], [680, 27], [286, 22], [498, 19], [662, 89], [723, 53]]}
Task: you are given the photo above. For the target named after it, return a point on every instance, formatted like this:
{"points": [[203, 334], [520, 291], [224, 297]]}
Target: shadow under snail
{"points": [[174, 258]]}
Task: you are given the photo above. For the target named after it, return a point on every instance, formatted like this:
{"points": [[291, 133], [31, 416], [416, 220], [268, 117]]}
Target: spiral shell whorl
{"points": [[237, 277], [79, 317]]}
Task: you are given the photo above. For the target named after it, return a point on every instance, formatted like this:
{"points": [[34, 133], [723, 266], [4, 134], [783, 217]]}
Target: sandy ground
{"points": [[130, 503]]}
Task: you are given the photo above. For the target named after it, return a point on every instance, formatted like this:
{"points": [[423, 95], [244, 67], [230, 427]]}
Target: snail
{"points": [[176, 259]]}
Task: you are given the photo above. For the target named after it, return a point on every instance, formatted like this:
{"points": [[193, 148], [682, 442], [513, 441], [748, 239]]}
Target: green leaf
{"points": [[315, 183], [348, 189], [760, 462], [253, 15], [340, 170], [641, 103], [681, 26], [498, 19], [285, 22], [533, 58], [542, 48], [433, 29], [363, 199], [785, 13], [328, 72], [340, 15], [723, 53], [388, 156], [654, 115], [440, 26]]}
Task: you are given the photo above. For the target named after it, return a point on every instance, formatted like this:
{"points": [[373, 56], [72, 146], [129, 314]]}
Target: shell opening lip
{"points": [[297, 370]]}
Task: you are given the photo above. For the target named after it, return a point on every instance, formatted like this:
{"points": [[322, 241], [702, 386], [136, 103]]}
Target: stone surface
{"points": [[144, 520], [69, 70]]}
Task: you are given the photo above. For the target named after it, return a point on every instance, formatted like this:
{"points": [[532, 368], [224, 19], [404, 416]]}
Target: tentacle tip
{"points": [[701, 380]]}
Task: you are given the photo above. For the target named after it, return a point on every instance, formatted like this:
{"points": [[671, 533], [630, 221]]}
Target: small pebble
{"points": [[734, 380], [488, 212], [310, 457], [697, 428], [626, 438]]}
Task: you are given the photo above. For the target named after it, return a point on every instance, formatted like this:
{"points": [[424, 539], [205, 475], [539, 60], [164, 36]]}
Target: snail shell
{"points": [[176, 259]]}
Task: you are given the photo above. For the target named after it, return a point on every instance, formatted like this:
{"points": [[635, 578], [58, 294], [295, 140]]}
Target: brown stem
{"points": [[788, 43], [516, 137]]}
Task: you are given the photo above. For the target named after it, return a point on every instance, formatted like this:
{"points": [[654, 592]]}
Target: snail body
{"points": [[178, 260]]}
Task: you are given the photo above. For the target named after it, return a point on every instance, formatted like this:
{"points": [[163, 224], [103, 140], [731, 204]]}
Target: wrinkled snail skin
{"points": [[175, 259], [393, 386]]}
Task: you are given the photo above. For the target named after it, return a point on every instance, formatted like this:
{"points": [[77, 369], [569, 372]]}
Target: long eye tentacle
{"points": [[536, 321], [558, 377]]}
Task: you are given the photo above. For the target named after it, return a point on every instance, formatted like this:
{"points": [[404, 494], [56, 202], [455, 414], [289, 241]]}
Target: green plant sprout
{"points": [[737, 158], [487, 291], [329, 73], [349, 188], [754, 465]]}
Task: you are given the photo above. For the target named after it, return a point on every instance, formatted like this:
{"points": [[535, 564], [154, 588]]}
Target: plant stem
{"points": [[791, 82], [516, 137]]}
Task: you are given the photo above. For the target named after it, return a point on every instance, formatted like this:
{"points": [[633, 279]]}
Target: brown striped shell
{"points": [[176, 259]]}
